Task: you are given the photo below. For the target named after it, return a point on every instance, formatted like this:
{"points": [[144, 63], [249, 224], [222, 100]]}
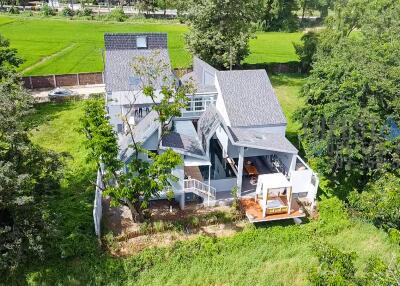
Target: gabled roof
{"points": [[184, 140], [120, 53], [261, 140], [183, 143], [141, 132], [249, 98], [208, 124]]}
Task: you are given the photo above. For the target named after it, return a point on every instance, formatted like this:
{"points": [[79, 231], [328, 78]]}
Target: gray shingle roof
{"points": [[120, 53], [182, 142], [141, 132], [127, 41], [260, 140], [249, 98], [208, 124], [119, 72]]}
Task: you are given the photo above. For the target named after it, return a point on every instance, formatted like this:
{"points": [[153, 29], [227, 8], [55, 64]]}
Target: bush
{"points": [[13, 10], [85, 12], [307, 49], [77, 244], [335, 267], [333, 216], [47, 10], [67, 12], [117, 14], [379, 203]]}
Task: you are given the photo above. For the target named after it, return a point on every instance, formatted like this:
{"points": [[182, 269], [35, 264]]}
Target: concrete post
{"points": [[240, 171]]}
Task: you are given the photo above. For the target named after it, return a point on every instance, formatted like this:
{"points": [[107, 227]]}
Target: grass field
{"points": [[273, 254], [56, 46]]}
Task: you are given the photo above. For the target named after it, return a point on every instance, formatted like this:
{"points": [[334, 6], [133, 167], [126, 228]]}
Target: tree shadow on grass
{"points": [[46, 112]]}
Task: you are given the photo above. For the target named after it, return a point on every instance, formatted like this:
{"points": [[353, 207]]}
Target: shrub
{"points": [[379, 202], [335, 267], [77, 244], [13, 10], [47, 10], [67, 12], [85, 12], [117, 14], [307, 49], [333, 216]]}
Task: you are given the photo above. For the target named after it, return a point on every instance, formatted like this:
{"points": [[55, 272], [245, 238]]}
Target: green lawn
{"points": [[65, 46], [271, 254]]}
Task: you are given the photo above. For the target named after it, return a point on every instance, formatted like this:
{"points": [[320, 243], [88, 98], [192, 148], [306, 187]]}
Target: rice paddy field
{"points": [[58, 46]]}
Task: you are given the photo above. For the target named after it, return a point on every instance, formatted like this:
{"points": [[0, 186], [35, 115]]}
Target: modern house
{"points": [[232, 132]]}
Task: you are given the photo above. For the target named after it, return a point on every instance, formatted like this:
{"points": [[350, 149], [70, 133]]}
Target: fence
{"points": [[97, 206], [56, 80], [51, 81]]}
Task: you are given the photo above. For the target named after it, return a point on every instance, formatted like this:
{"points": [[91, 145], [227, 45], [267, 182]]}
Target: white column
{"points": [[240, 171], [182, 201], [209, 185]]}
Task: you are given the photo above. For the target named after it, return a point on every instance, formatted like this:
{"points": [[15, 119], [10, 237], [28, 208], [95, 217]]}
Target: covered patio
{"points": [[273, 200]]}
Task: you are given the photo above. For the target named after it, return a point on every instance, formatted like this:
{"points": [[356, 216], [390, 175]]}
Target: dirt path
{"points": [[45, 59]]}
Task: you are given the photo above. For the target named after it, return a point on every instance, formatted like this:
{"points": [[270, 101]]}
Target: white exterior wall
{"points": [[279, 129], [223, 185], [152, 142], [223, 139], [220, 105], [115, 111]]}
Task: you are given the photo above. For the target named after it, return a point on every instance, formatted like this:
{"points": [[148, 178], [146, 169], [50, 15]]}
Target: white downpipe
{"points": [[209, 184]]}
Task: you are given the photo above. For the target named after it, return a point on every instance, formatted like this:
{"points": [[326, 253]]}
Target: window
{"points": [[120, 128], [134, 80], [208, 78], [198, 104], [141, 42]]}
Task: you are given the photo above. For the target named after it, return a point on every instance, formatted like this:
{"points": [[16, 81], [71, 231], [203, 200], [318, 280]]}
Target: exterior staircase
{"points": [[199, 188]]}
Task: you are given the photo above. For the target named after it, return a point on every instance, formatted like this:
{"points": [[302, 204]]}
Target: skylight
{"points": [[141, 42]]}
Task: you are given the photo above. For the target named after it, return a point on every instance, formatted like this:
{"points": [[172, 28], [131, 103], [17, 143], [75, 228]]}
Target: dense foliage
{"points": [[220, 30], [337, 268], [379, 203], [353, 96], [279, 15], [28, 174], [143, 177], [307, 49], [101, 143]]}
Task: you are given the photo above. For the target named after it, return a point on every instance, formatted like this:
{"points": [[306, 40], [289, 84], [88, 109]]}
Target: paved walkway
{"points": [[41, 95]]}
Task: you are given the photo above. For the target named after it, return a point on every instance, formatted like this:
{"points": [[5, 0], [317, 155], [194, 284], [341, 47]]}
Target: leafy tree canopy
{"points": [[353, 93], [28, 174], [220, 30]]}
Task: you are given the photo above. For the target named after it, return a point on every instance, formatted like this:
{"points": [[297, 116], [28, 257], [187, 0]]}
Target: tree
{"points": [[141, 179], [28, 174], [279, 15], [220, 30], [307, 49], [351, 96], [101, 137]]}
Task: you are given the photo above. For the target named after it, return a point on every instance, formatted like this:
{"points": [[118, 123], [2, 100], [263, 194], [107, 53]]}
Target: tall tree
{"points": [[279, 15], [353, 94], [141, 179], [28, 174], [220, 30]]}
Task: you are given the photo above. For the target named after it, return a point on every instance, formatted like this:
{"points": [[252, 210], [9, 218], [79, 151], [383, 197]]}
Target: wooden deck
{"points": [[254, 212]]}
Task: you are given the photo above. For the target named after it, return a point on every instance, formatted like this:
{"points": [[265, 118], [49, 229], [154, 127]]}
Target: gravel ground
{"points": [[41, 95]]}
